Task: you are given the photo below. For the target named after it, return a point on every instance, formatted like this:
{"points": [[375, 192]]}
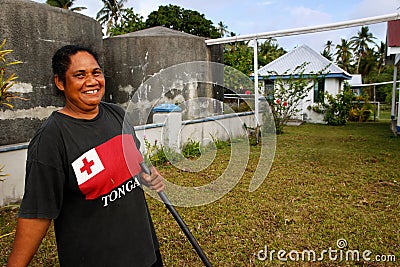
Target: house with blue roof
{"points": [[332, 81]]}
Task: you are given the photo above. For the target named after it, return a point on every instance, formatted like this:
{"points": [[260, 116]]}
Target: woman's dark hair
{"points": [[62, 59]]}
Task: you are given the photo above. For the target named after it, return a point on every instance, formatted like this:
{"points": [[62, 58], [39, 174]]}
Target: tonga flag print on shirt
{"points": [[105, 167]]}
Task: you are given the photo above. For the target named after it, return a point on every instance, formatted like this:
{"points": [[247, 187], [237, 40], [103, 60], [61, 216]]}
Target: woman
{"points": [[76, 175]]}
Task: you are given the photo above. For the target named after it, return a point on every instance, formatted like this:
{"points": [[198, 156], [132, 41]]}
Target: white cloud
{"points": [[303, 16], [265, 3], [369, 8]]}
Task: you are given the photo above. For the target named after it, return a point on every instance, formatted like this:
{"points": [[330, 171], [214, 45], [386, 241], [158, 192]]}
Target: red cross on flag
{"points": [[103, 168]]}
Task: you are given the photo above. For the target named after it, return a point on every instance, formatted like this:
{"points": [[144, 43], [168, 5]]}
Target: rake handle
{"points": [[180, 221]]}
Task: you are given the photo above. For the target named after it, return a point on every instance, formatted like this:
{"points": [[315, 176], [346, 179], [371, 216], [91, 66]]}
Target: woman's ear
{"points": [[58, 83]]}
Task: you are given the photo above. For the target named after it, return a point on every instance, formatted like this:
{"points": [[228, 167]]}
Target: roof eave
{"points": [[329, 75]]}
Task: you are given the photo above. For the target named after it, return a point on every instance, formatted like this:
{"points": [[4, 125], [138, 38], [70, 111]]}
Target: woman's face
{"points": [[84, 85]]}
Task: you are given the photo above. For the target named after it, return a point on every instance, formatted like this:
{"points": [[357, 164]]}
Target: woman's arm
{"points": [[28, 236]]}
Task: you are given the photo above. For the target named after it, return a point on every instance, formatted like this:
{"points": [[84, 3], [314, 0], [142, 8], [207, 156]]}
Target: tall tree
{"points": [[111, 13], [328, 50], [344, 55], [360, 43], [268, 51], [381, 54], [66, 4], [368, 63], [239, 56], [177, 18], [222, 29], [129, 22]]}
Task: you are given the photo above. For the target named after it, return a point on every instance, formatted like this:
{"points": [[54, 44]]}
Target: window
{"points": [[269, 88], [319, 91]]}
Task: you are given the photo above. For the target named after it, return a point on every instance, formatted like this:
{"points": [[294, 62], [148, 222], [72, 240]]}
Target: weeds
{"points": [[192, 149], [2, 174]]}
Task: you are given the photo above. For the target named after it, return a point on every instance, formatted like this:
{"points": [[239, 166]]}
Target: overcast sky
{"points": [[255, 16]]}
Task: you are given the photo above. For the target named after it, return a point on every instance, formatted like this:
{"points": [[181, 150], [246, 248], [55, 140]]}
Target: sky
{"points": [[258, 16]]}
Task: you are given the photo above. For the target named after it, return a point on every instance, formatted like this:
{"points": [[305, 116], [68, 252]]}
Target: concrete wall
{"points": [[35, 31], [134, 57], [13, 160], [203, 130]]}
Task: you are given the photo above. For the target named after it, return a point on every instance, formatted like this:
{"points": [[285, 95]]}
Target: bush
{"points": [[290, 89], [338, 107], [6, 82], [6, 79], [158, 155], [2, 174], [361, 109], [192, 149], [344, 107]]}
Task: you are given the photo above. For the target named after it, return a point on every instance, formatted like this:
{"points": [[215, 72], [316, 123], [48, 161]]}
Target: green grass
{"points": [[326, 183]]}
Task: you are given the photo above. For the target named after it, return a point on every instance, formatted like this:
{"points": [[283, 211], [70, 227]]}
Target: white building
{"points": [[332, 81]]}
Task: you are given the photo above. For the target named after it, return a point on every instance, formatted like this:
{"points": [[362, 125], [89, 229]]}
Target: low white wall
{"points": [[13, 159], [220, 127]]}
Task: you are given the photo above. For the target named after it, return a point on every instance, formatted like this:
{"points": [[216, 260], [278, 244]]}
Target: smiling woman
{"points": [[83, 86], [77, 175]]}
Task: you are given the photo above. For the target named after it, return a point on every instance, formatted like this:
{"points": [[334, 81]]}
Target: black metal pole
{"points": [[180, 221]]}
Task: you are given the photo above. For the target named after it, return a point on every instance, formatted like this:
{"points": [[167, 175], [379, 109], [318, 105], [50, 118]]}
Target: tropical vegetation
{"points": [[180, 19], [129, 22], [111, 13], [6, 82], [65, 4], [6, 78]]}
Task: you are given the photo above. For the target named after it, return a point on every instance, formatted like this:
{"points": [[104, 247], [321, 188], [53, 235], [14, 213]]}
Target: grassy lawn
{"points": [[326, 183]]}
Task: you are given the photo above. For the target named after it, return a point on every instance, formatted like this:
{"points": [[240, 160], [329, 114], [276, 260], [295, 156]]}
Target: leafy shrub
{"points": [[6, 79], [344, 107], [290, 89], [219, 144], [6, 82], [158, 155], [2, 174], [361, 109], [337, 109], [192, 149]]}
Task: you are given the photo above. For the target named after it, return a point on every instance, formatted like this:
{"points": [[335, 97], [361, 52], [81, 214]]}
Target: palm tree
{"points": [[111, 12], [368, 63], [344, 55], [222, 29], [66, 4], [327, 50], [381, 55], [360, 43], [269, 51]]}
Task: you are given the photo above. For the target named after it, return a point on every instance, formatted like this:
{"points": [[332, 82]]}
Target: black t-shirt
{"points": [[76, 174]]}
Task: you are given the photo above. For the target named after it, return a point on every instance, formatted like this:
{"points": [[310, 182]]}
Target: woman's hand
{"points": [[154, 181]]}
